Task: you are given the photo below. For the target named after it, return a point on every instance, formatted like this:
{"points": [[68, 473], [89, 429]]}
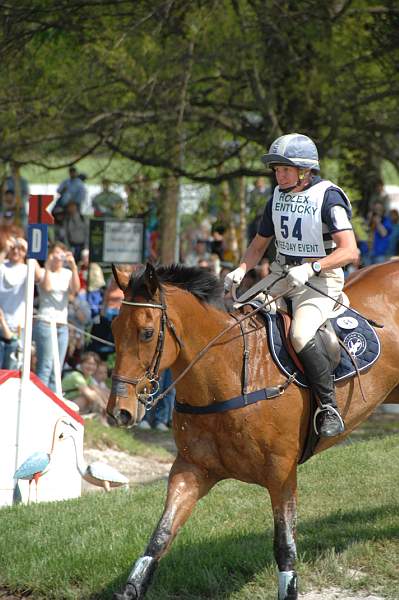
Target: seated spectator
{"points": [[76, 228], [92, 282], [381, 229], [108, 203], [79, 385], [101, 377]]}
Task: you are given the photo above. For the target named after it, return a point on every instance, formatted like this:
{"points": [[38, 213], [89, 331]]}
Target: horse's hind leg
{"points": [[284, 511], [187, 484]]}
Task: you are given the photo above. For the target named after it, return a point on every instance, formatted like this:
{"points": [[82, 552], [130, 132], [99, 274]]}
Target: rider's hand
{"points": [[234, 278], [299, 275]]}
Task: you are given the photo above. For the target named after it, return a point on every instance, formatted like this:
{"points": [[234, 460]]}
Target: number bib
{"points": [[297, 221]]}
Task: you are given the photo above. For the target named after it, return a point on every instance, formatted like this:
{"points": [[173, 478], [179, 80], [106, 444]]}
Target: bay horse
{"points": [[168, 315]]}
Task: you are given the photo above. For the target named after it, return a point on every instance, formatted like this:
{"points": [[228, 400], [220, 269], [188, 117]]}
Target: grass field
{"points": [[348, 524]]}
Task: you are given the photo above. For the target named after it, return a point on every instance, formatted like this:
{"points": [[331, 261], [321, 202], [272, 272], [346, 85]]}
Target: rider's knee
{"points": [[299, 338]]}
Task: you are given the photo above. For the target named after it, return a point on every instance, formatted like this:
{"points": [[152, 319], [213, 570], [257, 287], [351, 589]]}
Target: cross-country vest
{"points": [[297, 222]]}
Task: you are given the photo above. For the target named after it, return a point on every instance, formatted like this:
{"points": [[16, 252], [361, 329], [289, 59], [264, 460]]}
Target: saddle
{"points": [[350, 342]]}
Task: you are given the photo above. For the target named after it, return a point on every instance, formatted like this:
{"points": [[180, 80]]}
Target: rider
{"points": [[309, 218]]}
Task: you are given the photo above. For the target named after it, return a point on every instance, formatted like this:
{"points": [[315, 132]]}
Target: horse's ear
{"points": [[150, 280], [121, 278]]}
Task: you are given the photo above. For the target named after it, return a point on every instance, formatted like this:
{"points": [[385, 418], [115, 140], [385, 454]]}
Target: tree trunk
{"points": [[168, 219], [231, 234], [243, 216]]}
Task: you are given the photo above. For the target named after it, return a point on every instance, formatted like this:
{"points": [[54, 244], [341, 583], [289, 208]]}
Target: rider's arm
{"points": [[336, 214], [255, 251], [345, 253]]}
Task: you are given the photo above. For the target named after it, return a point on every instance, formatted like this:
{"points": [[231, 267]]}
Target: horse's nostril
{"points": [[123, 417]]}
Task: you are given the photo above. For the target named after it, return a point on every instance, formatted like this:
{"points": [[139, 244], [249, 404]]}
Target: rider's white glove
{"points": [[299, 275], [234, 278]]}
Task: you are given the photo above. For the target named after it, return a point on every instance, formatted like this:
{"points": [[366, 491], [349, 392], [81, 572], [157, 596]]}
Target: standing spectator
{"points": [[9, 227], [58, 232], [393, 248], [79, 318], [381, 229], [19, 188], [199, 254], [13, 274], [160, 416], [113, 297], [56, 282], [9, 205], [217, 243], [92, 282], [72, 188], [76, 229], [108, 203]]}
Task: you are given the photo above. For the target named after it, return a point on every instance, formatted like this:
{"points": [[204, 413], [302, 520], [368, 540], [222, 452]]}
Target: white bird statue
{"points": [[38, 463], [98, 473]]}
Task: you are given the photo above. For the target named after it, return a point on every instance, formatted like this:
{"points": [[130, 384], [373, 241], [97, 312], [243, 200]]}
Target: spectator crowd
{"points": [[82, 298]]}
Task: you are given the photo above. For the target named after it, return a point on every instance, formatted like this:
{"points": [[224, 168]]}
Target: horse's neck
{"points": [[217, 375], [220, 366]]}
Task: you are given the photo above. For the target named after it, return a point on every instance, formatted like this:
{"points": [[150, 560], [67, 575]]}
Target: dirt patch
{"points": [[337, 594], [137, 469]]}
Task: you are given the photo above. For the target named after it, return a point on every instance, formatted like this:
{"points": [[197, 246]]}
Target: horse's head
{"points": [[146, 341]]}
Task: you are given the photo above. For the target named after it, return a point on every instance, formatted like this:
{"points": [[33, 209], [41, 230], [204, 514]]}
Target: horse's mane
{"points": [[201, 283]]}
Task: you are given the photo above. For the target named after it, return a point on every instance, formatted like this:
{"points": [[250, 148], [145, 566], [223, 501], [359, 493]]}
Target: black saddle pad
{"points": [[353, 330]]}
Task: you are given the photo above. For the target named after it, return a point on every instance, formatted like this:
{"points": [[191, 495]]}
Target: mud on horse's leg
{"points": [[284, 510], [187, 484]]}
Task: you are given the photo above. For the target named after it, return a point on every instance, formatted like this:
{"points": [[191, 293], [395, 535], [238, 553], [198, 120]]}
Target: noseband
{"points": [[151, 376]]}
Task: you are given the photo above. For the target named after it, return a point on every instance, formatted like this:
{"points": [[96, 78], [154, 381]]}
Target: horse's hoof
{"points": [[129, 593]]}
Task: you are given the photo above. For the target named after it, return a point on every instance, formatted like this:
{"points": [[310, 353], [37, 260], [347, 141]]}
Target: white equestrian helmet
{"points": [[294, 150]]}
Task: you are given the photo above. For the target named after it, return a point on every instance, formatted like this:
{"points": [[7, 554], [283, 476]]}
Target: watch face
{"points": [[316, 267]]}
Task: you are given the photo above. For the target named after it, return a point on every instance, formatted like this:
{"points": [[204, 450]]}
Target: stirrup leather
{"points": [[328, 408]]}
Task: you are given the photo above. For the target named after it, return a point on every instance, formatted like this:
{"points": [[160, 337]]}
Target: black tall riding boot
{"points": [[321, 380]]}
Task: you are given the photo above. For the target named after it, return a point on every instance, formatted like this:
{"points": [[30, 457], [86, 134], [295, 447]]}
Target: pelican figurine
{"points": [[98, 473], [38, 463]]}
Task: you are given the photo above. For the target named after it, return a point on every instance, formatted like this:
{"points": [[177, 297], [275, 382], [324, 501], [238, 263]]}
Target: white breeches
{"points": [[310, 309]]}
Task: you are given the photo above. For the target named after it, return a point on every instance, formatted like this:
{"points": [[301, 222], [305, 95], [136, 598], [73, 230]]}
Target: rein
{"points": [[209, 345], [151, 376]]}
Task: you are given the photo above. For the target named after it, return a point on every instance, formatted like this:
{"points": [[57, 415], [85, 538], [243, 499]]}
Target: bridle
{"points": [[147, 386]]}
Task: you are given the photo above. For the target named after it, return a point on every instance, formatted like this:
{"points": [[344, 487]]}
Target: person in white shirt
{"points": [[13, 273], [55, 284]]}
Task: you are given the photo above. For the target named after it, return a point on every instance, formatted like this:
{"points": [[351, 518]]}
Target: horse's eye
{"points": [[146, 335]]}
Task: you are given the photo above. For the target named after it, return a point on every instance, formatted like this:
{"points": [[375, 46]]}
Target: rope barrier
{"points": [[86, 333]]}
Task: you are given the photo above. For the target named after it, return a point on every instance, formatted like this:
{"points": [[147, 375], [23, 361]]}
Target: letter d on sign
{"points": [[37, 241]]}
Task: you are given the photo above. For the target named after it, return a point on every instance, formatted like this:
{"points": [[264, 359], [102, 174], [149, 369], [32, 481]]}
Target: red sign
{"points": [[39, 211]]}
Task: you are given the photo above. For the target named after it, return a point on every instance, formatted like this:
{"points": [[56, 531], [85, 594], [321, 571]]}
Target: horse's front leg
{"points": [[284, 510], [187, 484]]}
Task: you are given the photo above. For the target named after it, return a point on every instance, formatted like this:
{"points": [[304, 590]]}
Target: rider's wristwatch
{"points": [[316, 266]]}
